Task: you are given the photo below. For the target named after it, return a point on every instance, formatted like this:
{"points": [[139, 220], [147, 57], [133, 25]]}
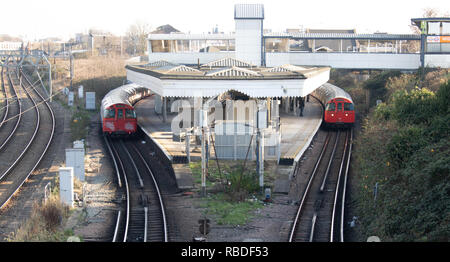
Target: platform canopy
{"points": [[217, 77]]}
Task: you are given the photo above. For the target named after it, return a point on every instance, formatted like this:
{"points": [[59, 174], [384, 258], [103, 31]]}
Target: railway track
{"points": [[320, 215], [13, 112], [5, 102], [143, 218], [22, 160]]}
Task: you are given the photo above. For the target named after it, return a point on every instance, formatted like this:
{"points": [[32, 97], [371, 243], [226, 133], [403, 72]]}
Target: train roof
{"points": [[327, 91], [339, 92], [122, 95]]}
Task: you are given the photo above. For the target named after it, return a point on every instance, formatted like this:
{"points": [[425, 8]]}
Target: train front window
{"points": [[110, 113], [339, 107], [348, 107], [331, 107], [129, 113], [119, 113]]}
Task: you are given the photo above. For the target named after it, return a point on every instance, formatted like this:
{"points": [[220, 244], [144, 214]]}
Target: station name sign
{"points": [[438, 39]]}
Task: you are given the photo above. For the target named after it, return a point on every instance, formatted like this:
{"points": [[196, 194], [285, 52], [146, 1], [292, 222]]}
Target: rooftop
{"points": [[417, 21], [216, 77], [296, 35], [249, 11], [224, 69]]}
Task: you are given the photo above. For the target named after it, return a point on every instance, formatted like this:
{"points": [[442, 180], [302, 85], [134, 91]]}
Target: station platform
{"points": [[297, 132], [152, 124], [296, 135]]}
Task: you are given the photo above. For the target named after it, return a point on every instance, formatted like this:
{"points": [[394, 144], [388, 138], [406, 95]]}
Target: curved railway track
{"points": [[143, 219], [18, 172], [5, 104], [320, 215], [12, 116]]}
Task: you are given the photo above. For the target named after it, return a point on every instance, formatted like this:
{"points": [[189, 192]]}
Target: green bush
{"points": [[416, 107], [231, 213], [405, 150], [383, 111], [405, 143]]}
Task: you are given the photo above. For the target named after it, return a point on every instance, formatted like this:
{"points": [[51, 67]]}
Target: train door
{"points": [[340, 115], [120, 118], [131, 121]]}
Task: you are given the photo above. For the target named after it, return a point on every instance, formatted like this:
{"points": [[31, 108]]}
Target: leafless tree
{"points": [[427, 13], [137, 33], [430, 12]]}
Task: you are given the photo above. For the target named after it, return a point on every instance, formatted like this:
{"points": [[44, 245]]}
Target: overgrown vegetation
{"points": [[45, 224], [99, 75], [95, 74], [233, 190], [353, 84], [403, 159], [231, 212]]}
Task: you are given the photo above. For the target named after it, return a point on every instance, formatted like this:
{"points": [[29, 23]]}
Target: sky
{"points": [[36, 19]]}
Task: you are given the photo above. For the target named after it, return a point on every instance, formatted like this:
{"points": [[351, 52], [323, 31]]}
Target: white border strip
{"points": [[308, 142], [157, 143]]}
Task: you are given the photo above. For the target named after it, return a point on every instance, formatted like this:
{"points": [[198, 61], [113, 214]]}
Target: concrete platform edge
{"points": [[156, 142], [183, 174], [308, 143]]}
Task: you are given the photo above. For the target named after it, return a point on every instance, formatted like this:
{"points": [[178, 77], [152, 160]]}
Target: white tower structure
{"points": [[249, 32]]}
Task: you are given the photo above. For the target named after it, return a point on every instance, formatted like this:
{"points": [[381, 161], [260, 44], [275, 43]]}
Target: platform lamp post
{"points": [[187, 139], [71, 67], [261, 123], [203, 123]]}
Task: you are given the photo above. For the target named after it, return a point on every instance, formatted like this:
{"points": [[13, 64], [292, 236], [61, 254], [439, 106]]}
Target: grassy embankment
{"points": [[233, 193], [402, 158]]}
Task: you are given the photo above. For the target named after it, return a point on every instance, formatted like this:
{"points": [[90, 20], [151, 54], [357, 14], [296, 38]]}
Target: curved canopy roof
{"points": [[210, 79]]}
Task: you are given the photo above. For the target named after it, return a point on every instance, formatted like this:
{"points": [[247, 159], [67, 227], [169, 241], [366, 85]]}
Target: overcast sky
{"points": [[44, 18]]}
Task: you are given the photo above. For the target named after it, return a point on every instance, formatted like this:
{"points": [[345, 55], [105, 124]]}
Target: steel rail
{"points": [[127, 189], [163, 213], [7, 101], [313, 227], [114, 161], [15, 96], [46, 147], [19, 117], [116, 230], [336, 194], [29, 142], [305, 193], [141, 184], [136, 169], [345, 186], [324, 180], [145, 223]]}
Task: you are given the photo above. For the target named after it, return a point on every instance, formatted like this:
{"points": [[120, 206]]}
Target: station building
{"points": [[273, 70], [334, 48], [239, 98]]}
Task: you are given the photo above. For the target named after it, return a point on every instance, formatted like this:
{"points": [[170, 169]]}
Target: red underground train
{"points": [[338, 106], [117, 112]]}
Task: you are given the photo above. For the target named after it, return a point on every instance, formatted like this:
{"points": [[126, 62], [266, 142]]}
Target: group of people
{"points": [[301, 103]]}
